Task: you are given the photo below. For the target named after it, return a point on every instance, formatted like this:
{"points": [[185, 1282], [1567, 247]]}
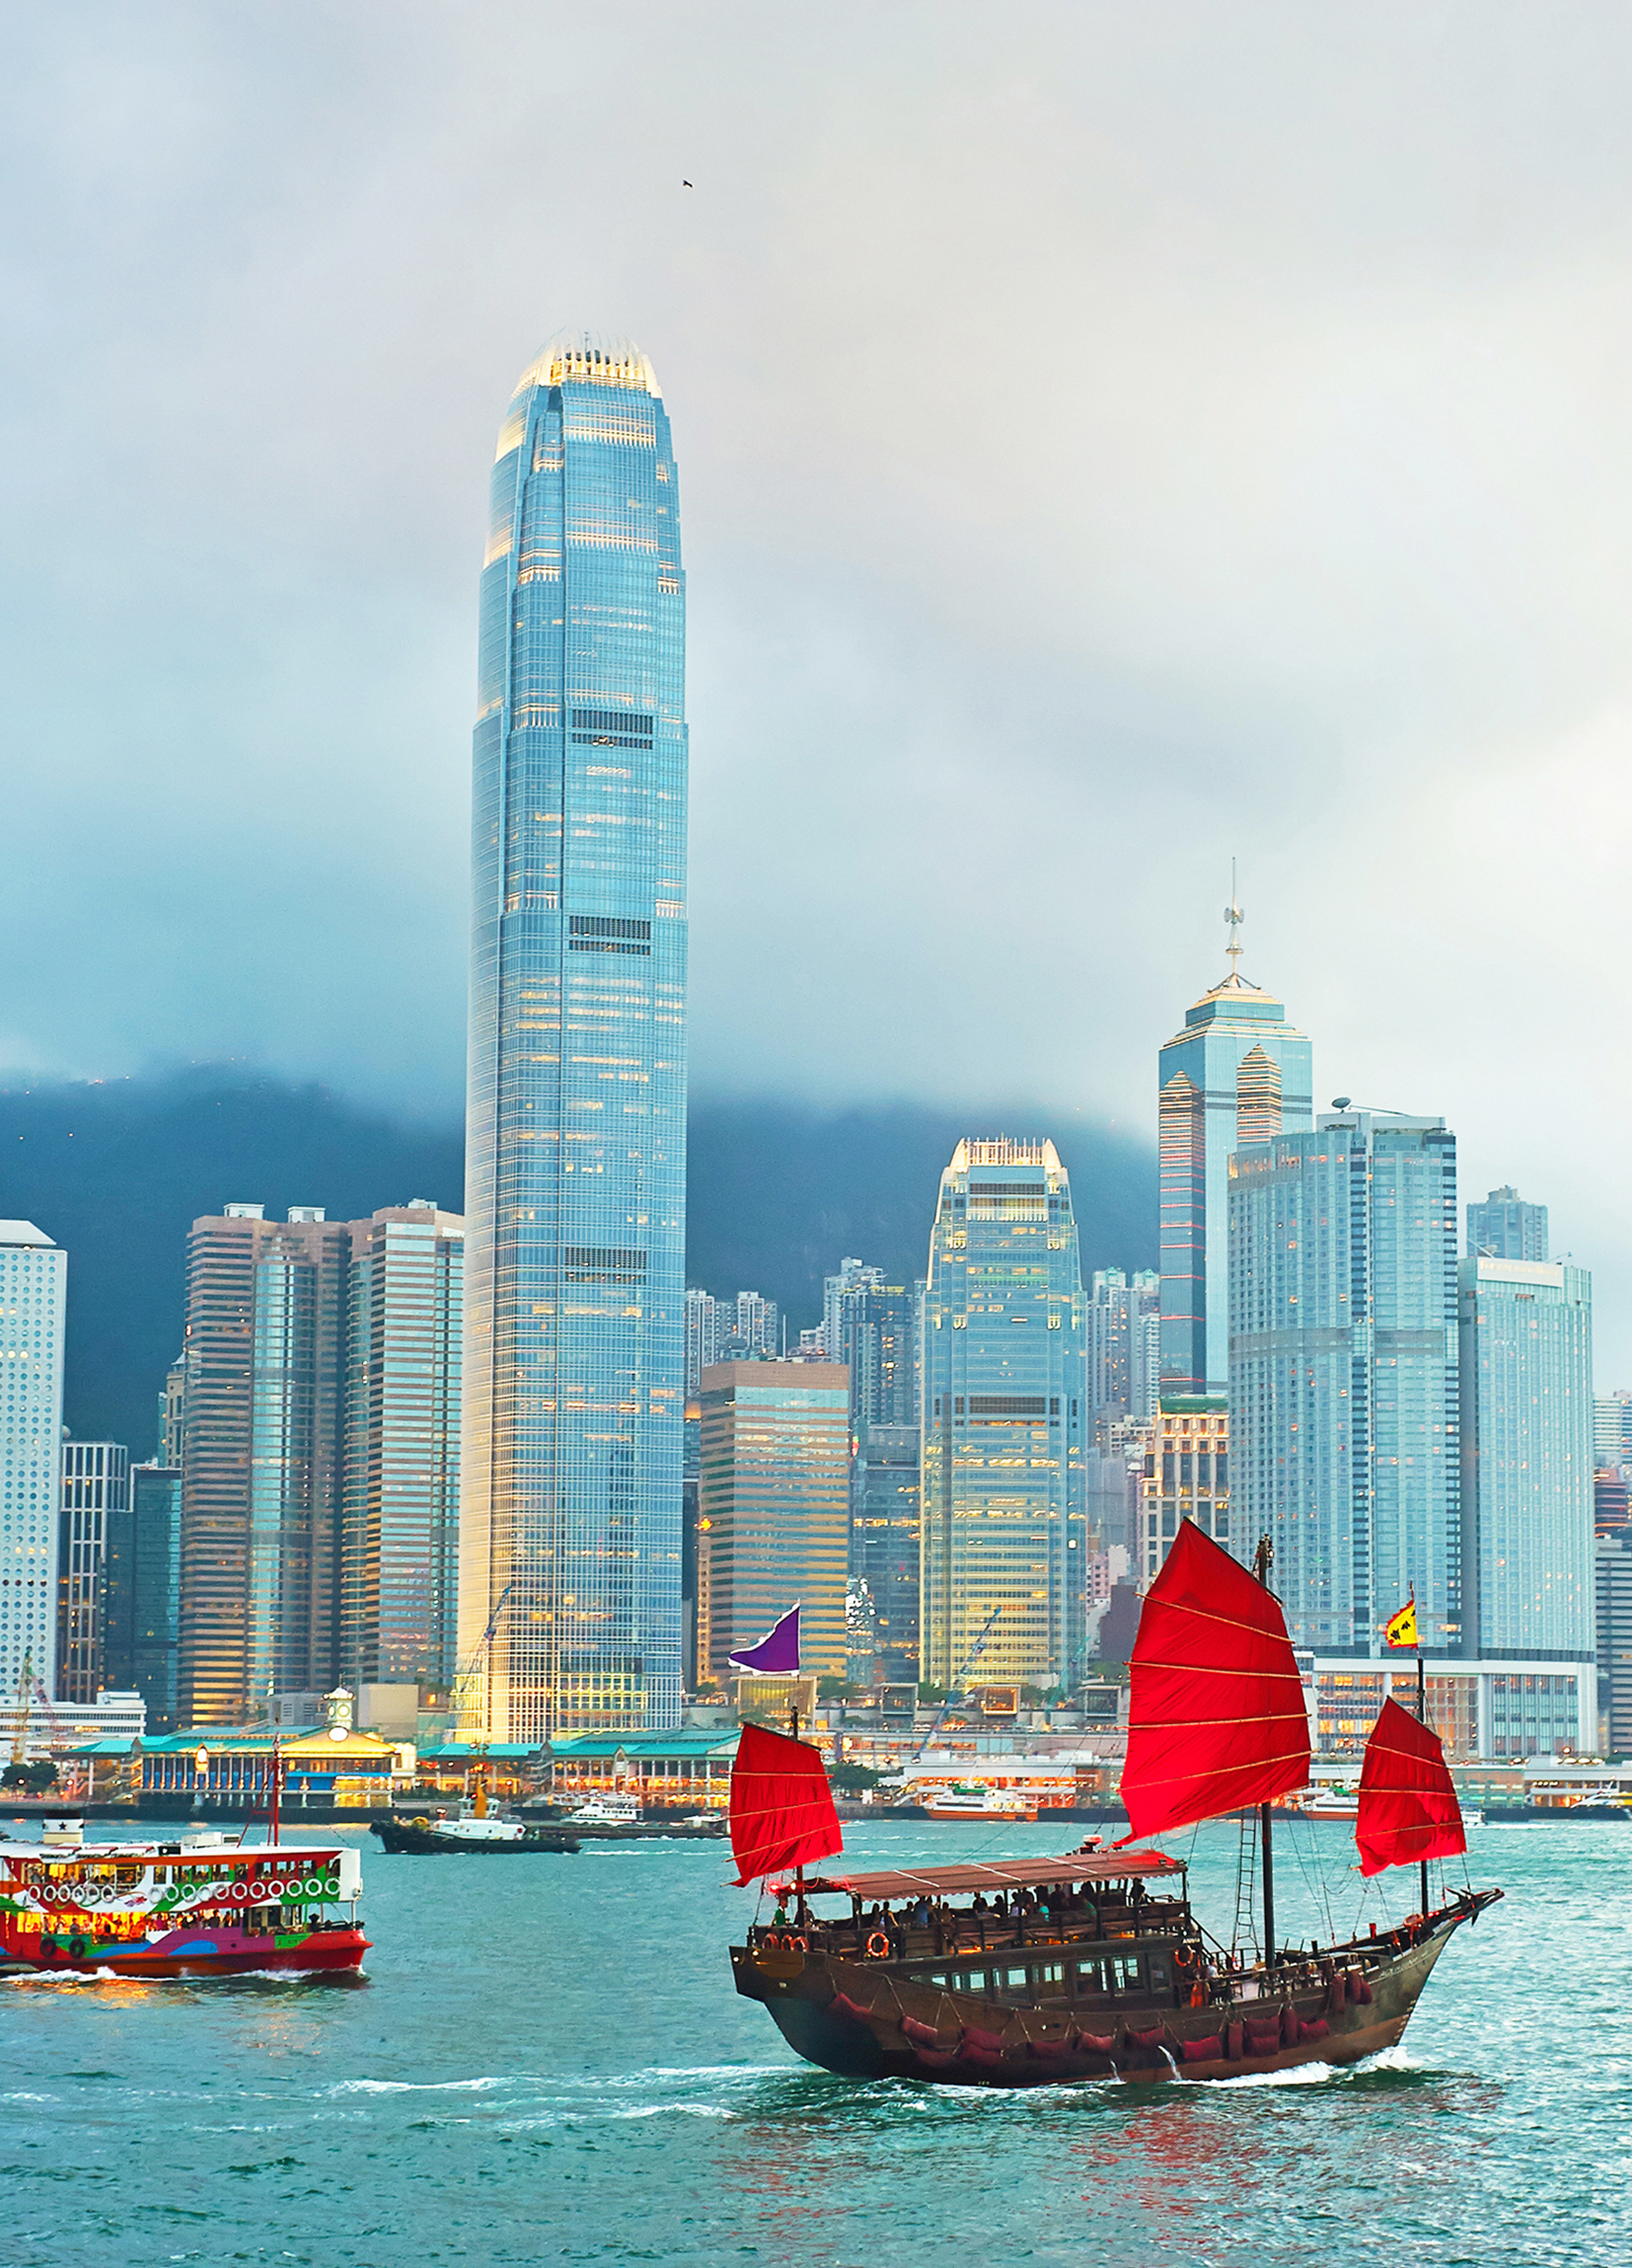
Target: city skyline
{"points": [[1298, 600]]}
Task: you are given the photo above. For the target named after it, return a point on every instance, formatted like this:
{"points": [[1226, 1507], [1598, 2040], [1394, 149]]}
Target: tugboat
{"points": [[1093, 1965], [196, 1907], [473, 1831]]}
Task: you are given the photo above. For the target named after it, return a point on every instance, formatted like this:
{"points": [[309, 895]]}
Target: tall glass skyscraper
{"points": [[1526, 1362], [1344, 1381], [570, 1525], [1005, 1414], [1238, 1072]]}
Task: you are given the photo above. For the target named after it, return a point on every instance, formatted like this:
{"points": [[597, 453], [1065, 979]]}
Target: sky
{"points": [[1112, 441]]}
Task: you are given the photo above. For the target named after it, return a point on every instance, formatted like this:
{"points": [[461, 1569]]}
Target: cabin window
{"points": [[1125, 1973], [1052, 1972], [1090, 1977], [1158, 1975], [937, 1977], [1016, 1979]]}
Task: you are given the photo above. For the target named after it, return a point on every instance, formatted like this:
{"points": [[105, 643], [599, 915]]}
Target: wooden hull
{"points": [[858, 2018]]}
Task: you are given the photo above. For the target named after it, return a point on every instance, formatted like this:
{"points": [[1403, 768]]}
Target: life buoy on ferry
{"points": [[238, 1892], [792, 1944], [877, 1946], [1184, 1956]]}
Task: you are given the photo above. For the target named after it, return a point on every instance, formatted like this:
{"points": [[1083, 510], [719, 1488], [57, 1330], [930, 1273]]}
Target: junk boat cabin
{"points": [[1086, 1966]]}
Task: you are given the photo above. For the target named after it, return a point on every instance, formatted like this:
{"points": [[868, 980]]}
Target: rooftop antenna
{"points": [[1233, 918]]}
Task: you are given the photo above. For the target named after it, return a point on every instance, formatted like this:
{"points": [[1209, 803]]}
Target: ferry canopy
{"points": [[1001, 1874]]}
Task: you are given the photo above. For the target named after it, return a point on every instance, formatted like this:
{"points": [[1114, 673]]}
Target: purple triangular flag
{"points": [[777, 1652]]}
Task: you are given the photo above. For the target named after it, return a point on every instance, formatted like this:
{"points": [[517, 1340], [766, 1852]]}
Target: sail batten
{"points": [[781, 1810], [1408, 1807], [1217, 1720]]}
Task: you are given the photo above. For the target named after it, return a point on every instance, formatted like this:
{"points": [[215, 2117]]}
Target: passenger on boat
{"points": [[920, 1914], [779, 1919]]}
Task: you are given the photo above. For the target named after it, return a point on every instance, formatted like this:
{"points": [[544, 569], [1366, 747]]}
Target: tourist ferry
{"points": [[1094, 1964], [195, 1907], [974, 1799]]}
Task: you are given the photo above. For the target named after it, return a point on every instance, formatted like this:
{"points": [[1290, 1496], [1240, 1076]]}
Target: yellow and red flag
{"points": [[1401, 1628]]}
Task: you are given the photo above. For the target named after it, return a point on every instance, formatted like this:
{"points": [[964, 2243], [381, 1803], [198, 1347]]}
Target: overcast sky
{"points": [[1111, 439]]}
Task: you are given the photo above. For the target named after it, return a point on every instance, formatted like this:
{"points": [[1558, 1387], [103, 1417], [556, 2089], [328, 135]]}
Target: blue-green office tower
{"points": [[1238, 1072], [576, 1170]]}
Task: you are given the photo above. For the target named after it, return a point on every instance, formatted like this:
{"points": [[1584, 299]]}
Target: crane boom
{"points": [[969, 1660], [464, 1682]]}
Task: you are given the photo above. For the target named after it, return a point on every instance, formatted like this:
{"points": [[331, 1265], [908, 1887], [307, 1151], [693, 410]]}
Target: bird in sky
{"points": [[685, 185]]}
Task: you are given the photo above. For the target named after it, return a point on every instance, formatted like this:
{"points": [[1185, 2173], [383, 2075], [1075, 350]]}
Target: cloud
{"points": [[1110, 440]]}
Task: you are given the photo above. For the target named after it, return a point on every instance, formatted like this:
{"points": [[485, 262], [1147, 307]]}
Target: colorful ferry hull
{"points": [[177, 1909]]}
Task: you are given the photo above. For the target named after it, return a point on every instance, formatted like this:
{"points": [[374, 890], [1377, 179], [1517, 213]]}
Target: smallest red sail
{"points": [[782, 1813], [1408, 1809]]}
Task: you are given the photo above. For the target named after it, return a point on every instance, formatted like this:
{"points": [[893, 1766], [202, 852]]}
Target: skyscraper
{"points": [[1526, 1385], [575, 1172], [1506, 1227], [1344, 1393], [33, 1308], [1124, 1345], [837, 1293], [142, 1593], [1239, 1073], [399, 1555], [96, 1490], [1005, 1414], [775, 1496], [702, 1336], [319, 1433], [263, 1441]]}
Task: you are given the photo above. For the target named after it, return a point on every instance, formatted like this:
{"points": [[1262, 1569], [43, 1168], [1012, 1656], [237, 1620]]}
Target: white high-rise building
{"points": [[34, 1308]]}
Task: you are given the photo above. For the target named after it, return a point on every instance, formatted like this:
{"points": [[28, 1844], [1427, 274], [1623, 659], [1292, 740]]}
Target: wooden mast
{"points": [[1261, 1559], [1422, 1718]]}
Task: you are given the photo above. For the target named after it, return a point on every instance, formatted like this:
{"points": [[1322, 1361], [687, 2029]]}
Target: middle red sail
{"points": [[1217, 1720], [1408, 1808], [781, 1813]]}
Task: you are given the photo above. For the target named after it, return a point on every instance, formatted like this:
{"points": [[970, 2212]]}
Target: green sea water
{"points": [[546, 2062]]}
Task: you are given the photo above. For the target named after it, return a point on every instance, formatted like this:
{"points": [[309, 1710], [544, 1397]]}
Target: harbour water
{"points": [[545, 2063]]}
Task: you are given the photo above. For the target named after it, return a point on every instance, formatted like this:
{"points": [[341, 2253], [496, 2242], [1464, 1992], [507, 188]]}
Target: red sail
{"points": [[781, 1813], [1217, 1720], [1408, 1809]]}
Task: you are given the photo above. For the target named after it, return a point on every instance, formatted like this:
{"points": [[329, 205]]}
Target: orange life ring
{"points": [[794, 1944], [877, 1946], [1184, 1956]]}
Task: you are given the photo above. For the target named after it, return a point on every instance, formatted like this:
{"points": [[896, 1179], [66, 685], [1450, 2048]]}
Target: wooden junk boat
{"points": [[1092, 1965]]}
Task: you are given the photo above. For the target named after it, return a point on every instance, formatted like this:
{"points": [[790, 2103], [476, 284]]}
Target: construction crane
{"points": [[969, 1660], [465, 1685], [28, 1688]]}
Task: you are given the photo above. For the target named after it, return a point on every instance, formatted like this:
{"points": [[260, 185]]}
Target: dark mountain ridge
{"points": [[117, 1170]]}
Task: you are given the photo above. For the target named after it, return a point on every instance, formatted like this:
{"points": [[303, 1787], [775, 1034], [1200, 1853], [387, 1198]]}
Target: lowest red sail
{"points": [[1216, 1720], [782, 1813], [1408, 1809]]}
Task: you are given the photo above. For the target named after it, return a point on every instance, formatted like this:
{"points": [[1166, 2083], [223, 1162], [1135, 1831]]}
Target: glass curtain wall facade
{"points": [[143, 1593], [775, 1492], [1345, 1377], [1004, 1413], [1239, 1073], [33, 1308], [576, 1153], [96, 1484], [399, 1555], [1526, 1373]]}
